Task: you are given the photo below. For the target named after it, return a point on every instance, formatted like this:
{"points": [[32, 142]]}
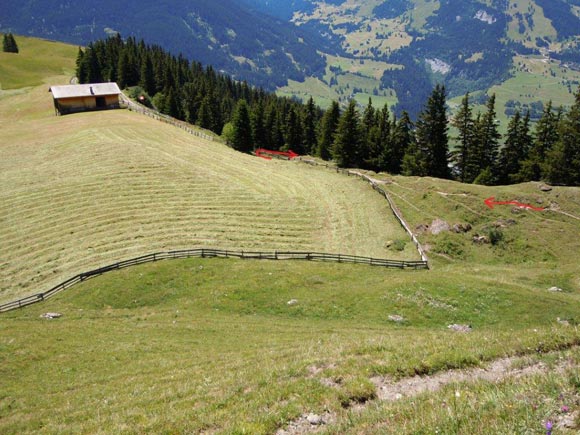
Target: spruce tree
{"points": [[465, 126], [432, 147], [92, 66], [259, 133], [309, 121], [402, 137], [9, 43], [204, 115], [146, 76], [172, 104], [328, 126], [348, 138], [487, 144], [379, 141], [564, 159], [515, 150], [546, 135], [242, 135], [271, 127], [293, 129]]}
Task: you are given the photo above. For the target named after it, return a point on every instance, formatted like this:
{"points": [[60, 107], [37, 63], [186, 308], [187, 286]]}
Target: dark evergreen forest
{"points": [[371, 138]]}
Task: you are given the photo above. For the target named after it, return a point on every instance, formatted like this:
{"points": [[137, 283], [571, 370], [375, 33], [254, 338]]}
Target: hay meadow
{"points": [[213, 345]]}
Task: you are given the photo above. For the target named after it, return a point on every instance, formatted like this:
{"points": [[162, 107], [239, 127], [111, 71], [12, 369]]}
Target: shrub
{"points": [[495, 236]]}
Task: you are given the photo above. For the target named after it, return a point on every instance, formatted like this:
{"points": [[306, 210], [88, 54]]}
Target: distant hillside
{"points": [[393, 51], [468, 45], [247, 44]]}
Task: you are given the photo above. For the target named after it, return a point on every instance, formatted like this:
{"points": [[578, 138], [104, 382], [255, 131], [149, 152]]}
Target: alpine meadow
{"points": [[486, 340]]}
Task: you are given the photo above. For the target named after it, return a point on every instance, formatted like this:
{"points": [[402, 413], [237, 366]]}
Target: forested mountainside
{"points": [[467, 45], [394, 51], [227, 34], [249, 118]]}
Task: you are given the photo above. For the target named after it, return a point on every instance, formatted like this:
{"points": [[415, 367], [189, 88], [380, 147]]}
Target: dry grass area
{"points": [[85, 190]]}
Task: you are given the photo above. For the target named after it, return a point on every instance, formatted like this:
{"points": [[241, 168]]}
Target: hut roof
{"points": [[90, 89]]}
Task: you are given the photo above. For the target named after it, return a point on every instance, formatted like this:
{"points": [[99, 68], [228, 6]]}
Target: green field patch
{"points": [[37, 60], [535, 78], [212, 343]]}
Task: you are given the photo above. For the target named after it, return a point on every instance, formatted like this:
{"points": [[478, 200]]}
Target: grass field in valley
{"points": [[213, 345]]}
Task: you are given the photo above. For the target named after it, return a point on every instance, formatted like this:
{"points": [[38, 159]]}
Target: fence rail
{"points": [[212, 253], [134, 107], [384, 193]]}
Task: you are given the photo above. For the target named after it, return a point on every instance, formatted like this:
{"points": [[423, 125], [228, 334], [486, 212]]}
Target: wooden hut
{"points": [[81, 98]]}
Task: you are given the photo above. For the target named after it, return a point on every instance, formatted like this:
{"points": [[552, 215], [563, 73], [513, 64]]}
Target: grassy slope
{"points": [[86, 190], [212, 345], [37, 60]]}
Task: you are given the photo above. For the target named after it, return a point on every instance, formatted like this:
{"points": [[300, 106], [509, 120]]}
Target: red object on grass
{"points": [[266, 154], [490, 202]]}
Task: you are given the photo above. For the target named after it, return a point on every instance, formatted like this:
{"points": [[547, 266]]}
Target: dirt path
{"points": [[391, 391]]}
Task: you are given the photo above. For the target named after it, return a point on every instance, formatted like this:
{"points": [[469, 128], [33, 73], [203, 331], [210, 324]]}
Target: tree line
{"points": [[371, 138]]}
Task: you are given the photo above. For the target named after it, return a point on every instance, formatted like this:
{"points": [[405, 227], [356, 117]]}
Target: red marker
{"points": [[490, 202]]}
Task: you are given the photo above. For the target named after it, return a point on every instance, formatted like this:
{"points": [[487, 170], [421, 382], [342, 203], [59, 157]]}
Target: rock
{"points": [[389, 243], [517, 210], [461, 228], [438, 226], [292, 302], [563, 321], [504, 223], [421, 228], [314, 419], [460, 328], [51, 315], [545, 188], [568, 421], [480, 240], [396, 318], [554, 289]]}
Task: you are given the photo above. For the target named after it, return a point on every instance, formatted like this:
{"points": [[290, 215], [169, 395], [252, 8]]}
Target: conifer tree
{"points": [[328, 126], [204, 115], [515, 150], [379, 140], [242, 135], [259, 133], [309, 122], [172, 104], [369, 118], [9, 44], [546, 135], [432, 147], [486, 145], [81, 67], [147, 75], [293, 130], [346, 147], [92, 66], [402, 137], [564, 159], [465, 126]]}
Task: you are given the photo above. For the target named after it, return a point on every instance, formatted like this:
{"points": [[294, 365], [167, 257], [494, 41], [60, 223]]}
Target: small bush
{"points": [[399, 245], [495, 236], [448, 245], [138, 94]]}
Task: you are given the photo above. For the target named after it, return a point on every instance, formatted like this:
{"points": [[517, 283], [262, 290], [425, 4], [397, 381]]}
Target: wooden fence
{"points": [[134, 107], [212, 253], [384, 193]]}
